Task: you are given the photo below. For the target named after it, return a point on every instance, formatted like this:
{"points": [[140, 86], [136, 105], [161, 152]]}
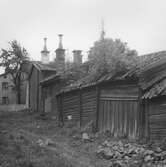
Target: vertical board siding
{"points": [[119, 117], [157, 119], [118, 111]]}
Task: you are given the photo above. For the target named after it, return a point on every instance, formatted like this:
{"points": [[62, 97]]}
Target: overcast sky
{"points": [[140, 23]]}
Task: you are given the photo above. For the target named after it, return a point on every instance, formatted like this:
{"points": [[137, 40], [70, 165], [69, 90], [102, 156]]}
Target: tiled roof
{"points": [[144, 63], [147, 61], [152, 82], [85, 83], [157, 89]]}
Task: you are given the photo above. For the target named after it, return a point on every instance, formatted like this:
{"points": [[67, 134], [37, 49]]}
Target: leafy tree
{"points": [[110, 56], [107, 56], [12, 59]]}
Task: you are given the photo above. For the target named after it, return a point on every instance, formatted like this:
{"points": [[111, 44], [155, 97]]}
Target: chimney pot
{"points": [[45, 53], [77, 56], [60, 55]]}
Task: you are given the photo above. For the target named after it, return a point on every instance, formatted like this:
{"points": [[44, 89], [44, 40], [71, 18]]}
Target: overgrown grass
{"points": [[19, 150]]}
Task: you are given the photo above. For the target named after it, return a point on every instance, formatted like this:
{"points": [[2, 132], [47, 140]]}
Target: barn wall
{"points": [[88, 97], [23, 92], [119, 110], [80, 104], [33, 89], [114, 108], [39, 98], [71, 105], [55, 88], [49, 97], [156, 111]]}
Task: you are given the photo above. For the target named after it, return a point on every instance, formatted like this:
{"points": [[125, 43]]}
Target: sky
{"points": [[140, 23]]}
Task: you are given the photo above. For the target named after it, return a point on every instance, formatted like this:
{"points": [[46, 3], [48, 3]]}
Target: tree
{"points": [[110, 56], [12, 59], [107, 56]]}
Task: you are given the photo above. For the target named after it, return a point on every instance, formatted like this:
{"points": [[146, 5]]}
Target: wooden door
{"points": [[118, 110], [119, 117]]}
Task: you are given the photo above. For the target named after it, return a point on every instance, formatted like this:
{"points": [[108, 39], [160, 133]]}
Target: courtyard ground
{"points": [[32, 140]]}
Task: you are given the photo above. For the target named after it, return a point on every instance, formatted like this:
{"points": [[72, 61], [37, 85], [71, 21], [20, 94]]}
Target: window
{"points": [[4, 85], [5, 100]]}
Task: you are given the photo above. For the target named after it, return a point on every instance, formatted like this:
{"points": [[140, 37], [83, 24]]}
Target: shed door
{"points": [[119, 117], [118, 110]]}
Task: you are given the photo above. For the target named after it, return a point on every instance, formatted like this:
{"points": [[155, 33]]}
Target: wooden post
{"points": [[146, 120], [42, 99], [60, 114], [37, 97], [29, 101], [140, 119], [80, 105], [97, 106]]}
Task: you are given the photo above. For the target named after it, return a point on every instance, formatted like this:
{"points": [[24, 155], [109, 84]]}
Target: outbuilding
{"points": [[130, 105]]}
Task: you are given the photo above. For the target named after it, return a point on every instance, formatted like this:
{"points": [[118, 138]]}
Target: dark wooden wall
{"points": [[114, 108], [80, 104], [156, 111], [88, 105], [119, 111], [49, 92], [70, 102], [33, 90]]}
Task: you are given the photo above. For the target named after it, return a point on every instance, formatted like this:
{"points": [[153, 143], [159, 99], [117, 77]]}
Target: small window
{"points": [[4, 85], [5, 100]]}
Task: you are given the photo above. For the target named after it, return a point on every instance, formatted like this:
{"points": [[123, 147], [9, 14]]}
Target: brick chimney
{"points": [[60, 55], [77, 57], [45, 53]]}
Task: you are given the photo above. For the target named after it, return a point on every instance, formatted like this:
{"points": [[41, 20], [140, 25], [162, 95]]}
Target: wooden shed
{"points": [[49, 87], [119, 109], [38, 72], [79, 103], [132, 105], [112, 105], [153, 84]]}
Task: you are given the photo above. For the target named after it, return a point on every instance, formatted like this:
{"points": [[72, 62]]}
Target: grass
{"points": [[20, 150], [19, 146]]}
